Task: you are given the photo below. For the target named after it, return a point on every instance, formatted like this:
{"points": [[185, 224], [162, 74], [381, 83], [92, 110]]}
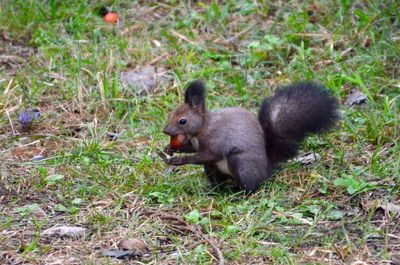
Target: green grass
{"points": [[66, 61]]}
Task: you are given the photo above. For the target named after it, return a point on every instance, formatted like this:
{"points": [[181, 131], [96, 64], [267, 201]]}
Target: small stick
{"points": [[11, 124], [236, 36], [216, 249], [8, 87], [155, 60], [302, 220], [312, 35], [183, 226], [176, 34]]}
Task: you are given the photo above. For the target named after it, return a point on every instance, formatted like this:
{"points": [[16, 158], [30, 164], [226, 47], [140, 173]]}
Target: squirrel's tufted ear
{"points": [[195, 95]]}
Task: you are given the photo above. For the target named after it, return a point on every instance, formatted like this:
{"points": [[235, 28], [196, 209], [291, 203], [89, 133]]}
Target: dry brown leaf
{"points": [[133, 244], [386, 206], [390, 207], [356, 97], [145, 80]]}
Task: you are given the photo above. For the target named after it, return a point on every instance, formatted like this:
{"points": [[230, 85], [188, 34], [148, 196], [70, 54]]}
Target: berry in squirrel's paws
{"points": [[176, 141]]}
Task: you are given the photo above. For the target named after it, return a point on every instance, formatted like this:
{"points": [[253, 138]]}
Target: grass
{"points": [[62, 58]]}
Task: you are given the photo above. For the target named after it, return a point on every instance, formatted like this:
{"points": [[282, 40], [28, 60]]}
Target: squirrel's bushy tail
{"points": [[293, 113]]}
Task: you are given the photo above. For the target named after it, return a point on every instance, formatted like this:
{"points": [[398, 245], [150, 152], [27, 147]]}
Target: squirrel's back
{"points": [[233, 127], [233, 143], [293, 113]]}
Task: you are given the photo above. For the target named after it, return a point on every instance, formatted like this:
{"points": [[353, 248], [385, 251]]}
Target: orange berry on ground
{"points": [[111, 18]]}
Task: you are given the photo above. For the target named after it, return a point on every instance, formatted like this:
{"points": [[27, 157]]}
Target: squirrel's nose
{"points": [[167, 130]]}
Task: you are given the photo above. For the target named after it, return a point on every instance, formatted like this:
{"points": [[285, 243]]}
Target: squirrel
{"points": [[232, 143]]}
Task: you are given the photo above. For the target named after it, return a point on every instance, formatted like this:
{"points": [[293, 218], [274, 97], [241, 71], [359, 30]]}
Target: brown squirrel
{"points": [[232, 143]]}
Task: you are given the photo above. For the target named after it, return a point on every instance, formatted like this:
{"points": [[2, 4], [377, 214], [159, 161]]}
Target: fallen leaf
{"points": [[118, 254], [390, 207], [386, 206], [112, 136], [133, 244], [395, 261], [145, 80], [356, 97], [65, 231], [308, 158], [37, 158]]}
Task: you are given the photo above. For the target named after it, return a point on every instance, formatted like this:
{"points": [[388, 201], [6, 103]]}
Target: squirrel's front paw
{"points": [[176, 161], [169, 150]]}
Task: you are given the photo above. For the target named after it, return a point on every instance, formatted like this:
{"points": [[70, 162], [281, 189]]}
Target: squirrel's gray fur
{"points": [[233, 143]]}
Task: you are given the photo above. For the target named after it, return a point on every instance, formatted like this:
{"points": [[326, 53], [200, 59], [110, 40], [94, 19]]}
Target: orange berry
{"points": [[111, 18], [177, 140]]}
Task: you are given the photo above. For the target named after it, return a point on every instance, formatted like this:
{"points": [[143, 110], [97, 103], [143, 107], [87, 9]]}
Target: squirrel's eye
{"points": [[182, 121]]}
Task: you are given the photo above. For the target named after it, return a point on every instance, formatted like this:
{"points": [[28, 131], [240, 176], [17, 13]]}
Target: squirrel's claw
{"points": [[169, 150], [175, 161]]}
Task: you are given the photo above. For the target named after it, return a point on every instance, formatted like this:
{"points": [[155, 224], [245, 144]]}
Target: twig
{"points": [[314, 35], [182, 226], [158, 58], [346, 51], [216, 249], [394, 236], [302, 220], [8, 86], [130, 29], [182, 37], [11, 124], [264, 243], [339, 252], [235, 37]]}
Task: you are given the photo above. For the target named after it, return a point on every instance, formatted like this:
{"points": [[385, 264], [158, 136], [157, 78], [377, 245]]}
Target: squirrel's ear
{"points": [[195, 95]]}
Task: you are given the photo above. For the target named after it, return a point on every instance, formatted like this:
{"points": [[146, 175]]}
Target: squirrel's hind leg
{"points": [[249, 170], [215, 177]]}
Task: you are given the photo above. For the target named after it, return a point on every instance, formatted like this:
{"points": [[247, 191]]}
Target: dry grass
{"points": [[65, 61]]}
